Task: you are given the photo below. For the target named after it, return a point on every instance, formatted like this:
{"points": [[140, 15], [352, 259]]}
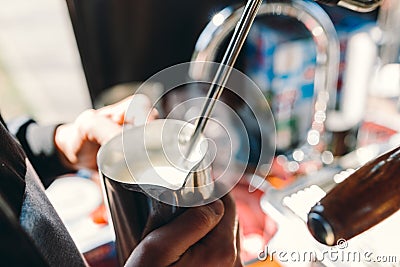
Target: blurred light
{"points": [[320, 105], [338, 178], [298, 155], [376, 34], [327, 157], [317, 31], [302, 201], [320, 116], [293, 166], [281, 159], [316, 192], [343, 175], [313, 137], [218, 19]]}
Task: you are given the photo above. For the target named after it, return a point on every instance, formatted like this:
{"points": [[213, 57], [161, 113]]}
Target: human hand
{"points": [[78, 142], [201, 236]]}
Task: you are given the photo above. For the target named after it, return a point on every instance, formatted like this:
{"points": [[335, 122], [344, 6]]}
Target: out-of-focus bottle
{"points": [[364, 199]]}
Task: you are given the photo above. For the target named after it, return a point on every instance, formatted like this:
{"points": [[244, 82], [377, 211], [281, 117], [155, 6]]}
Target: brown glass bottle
{"points": [[367, 197]]}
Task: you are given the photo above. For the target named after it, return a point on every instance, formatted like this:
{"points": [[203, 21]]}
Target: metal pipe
{"points": [[248, 14]]}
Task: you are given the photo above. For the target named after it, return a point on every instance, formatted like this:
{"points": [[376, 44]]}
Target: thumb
{"points": [[167, 244]]}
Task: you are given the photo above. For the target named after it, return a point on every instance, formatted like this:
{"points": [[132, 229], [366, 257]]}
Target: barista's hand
{"points": [[78, 142], [201, 236]]}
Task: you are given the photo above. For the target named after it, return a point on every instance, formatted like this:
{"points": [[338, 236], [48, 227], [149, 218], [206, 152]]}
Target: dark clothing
{"points": [[38, 145], [31, 232]]}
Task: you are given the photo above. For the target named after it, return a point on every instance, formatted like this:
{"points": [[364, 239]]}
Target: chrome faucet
{"points": [[322, 31]]}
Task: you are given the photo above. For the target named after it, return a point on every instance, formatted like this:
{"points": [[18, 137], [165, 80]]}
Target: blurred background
{"points": [[40, 68]]}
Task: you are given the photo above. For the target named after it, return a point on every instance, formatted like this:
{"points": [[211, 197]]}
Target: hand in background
{"points": [[78, 142], [201, 236]]}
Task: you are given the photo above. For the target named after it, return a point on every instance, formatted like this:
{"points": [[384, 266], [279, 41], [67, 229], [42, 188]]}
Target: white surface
{"points": [[74, 198], [87, 235]]}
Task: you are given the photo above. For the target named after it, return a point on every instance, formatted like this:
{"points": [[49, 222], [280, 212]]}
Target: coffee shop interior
{"points": [[311, 128]]}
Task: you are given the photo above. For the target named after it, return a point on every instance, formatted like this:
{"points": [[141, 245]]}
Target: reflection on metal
{"points": [[322, 31], [221, 77], [356, 5]]}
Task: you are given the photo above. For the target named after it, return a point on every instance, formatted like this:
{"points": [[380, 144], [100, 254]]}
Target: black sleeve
{"points": [[38, 144]]}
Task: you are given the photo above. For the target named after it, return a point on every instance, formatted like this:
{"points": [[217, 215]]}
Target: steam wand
{"points": [[224, 70]]}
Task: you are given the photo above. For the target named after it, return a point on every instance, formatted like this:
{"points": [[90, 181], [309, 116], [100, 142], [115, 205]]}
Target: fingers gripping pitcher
{"points": [[147, 181]]}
